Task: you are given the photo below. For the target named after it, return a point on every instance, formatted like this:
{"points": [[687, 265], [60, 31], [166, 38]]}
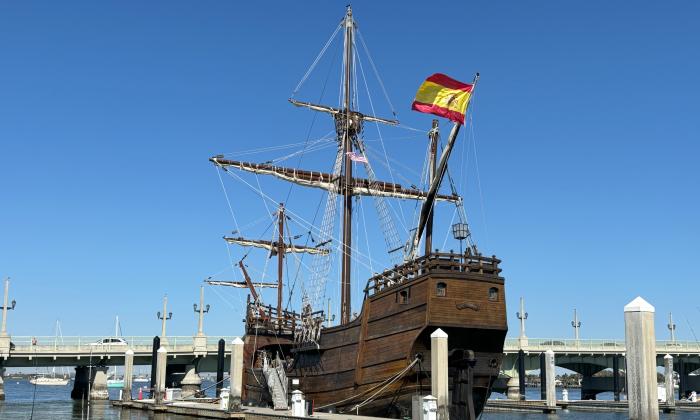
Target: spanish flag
{"points": [[443, 96]]}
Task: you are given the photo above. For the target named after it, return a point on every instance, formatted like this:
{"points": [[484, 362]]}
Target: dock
{"points": [[530, 406], [209, 409]]}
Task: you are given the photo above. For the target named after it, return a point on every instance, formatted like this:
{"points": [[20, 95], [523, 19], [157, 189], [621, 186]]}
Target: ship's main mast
{"points": [[343, 129]]}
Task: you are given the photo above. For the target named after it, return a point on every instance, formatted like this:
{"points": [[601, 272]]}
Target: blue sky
{"points": [[585, 127]]}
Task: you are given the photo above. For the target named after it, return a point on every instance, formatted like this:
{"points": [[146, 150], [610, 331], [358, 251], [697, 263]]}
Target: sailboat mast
{"points": [[345, 301], [431, 173], [280, 258]]}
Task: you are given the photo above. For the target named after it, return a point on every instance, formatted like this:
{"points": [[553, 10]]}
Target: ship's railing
{"points": [[93, 344], [594, 345], [267, 318], [437, 262]]}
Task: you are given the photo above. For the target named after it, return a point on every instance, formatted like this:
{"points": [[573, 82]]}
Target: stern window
{"points": [[493, 294], [403, 296], [441, 289]]}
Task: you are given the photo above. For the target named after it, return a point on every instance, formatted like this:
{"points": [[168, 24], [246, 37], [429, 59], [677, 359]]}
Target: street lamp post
{"points": [[6, 307], [164, 318], [202, 310], [577, 326], [522, 316], [671, 327]]}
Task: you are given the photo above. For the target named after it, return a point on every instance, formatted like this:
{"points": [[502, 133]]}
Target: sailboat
{"points": [[376, 361], [114, 381], [52, 380]]}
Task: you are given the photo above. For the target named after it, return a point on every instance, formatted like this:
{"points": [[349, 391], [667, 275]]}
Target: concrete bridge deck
{"points": [[28, 351]]}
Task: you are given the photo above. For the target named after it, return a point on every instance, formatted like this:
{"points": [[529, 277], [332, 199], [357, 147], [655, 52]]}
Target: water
{"points": [[25, 401]]}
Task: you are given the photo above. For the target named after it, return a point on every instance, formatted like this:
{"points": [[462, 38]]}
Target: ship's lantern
{"points": [[441, 289], [493, 294], [460, 231]]}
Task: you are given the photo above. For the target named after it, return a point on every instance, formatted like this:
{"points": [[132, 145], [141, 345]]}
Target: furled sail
{"points": [[239, 284], [273, 246], [328, 182]]}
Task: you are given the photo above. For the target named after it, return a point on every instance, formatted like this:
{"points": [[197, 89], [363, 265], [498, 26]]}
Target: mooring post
{"points": [[668, 381], [128, 374], [640, 342], [236, 375], [616, 377], [521, 374], [154, 364], [543, 376], [551, 394], [220, 355], [439, 379], [160, 374]]}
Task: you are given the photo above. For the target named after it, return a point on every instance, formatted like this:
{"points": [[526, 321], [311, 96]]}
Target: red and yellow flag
{"points": [[443, 96]]}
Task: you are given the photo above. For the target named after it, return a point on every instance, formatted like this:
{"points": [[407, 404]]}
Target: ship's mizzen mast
{"points": [[434, 135], [427, 208]]}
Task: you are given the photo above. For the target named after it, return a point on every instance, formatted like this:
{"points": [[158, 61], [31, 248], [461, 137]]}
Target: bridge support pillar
{"points": [[513, 388], [586, 392], [81, 383], [97, 385], [616, 377], [98, 388], [191, 383]]}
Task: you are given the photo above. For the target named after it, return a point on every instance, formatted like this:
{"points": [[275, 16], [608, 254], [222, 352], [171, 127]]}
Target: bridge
{"points": [[187, 356], [589, 357]]}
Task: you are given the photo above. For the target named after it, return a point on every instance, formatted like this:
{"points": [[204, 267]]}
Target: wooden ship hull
{"points": [[361, 363]]}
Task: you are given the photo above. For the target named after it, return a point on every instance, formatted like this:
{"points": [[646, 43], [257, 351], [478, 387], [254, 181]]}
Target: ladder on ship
{"points": [[276, 379]]}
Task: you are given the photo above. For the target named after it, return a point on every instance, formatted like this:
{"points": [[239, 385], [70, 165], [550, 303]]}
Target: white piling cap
{"points": [[639, 305], [668, 356], [237, 340], [550, 351], [129, 352], [438, 334], [162, 350]]}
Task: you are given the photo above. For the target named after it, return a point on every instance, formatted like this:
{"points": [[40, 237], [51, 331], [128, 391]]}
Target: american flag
{"points": [[356, 158]]}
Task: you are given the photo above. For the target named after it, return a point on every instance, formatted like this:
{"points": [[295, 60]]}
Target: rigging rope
{"points": [[318, 57]]}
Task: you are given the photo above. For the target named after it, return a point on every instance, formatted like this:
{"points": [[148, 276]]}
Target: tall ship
{"points": [[376, 358]]}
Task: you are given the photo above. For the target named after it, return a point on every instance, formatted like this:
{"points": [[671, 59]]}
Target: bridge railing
{"points": [[596, 345], [93, 344]]}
